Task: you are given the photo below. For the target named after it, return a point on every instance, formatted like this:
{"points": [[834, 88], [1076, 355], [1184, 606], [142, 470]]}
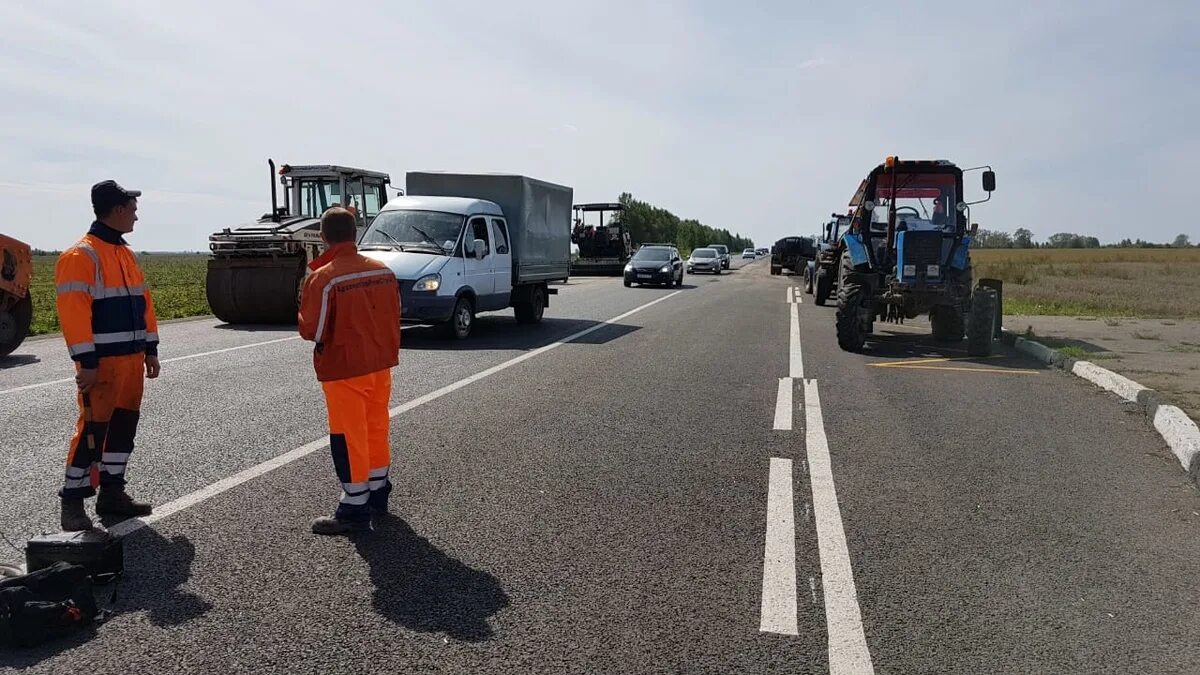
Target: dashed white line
{"points": [[223, 485], [779, 555], [783, 404], [848, 652], [796, 366]]}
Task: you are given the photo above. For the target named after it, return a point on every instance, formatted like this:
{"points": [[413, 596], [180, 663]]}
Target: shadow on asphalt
{"points": [[421, 588], [18, 360], [504, 333], [886, 343], [255, 327], [155, 570]]}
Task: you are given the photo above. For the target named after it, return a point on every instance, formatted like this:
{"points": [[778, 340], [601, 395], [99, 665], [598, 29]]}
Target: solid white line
{"points": [[245, 475], [790, 296], [796, 369], [779, 555], [783, 404], [848, 651], [171, 360]]}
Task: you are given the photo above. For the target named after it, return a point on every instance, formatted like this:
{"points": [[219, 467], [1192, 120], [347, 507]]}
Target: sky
{"points": [[758, 117]]}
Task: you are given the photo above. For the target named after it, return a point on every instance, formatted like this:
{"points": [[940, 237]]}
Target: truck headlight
{"points": [[429, 282], [664, 269]]}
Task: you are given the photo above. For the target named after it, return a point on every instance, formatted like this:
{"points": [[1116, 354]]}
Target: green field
{"points": [[1131, 282], [176, 281]]}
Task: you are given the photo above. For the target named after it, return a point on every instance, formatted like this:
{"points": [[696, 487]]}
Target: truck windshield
{"points": [[652, 254], [418, 229], [923, 201]]}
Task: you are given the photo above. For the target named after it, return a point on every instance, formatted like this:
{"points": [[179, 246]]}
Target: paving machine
{"points": [[604, 248], [16, 304], [908, 253], [255, 272]]}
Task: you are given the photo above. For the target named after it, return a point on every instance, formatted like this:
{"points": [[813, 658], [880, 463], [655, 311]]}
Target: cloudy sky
{"points": [[756, 116]]}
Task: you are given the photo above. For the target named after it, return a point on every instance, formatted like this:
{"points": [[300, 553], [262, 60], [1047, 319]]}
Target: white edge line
{"points": [[175, 359], [848, 651], [779, 611], [225, 484]]}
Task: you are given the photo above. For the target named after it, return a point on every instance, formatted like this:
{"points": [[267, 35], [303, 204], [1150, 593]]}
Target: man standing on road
{"points": [[350, 306], [108, 323]]}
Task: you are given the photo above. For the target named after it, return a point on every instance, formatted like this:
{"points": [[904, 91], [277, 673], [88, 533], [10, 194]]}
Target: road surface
{"points": [[651, 480]]}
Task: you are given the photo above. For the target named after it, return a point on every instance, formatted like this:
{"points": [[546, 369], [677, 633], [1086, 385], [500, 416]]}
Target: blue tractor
{"points": [[820, 276], [908, 254]]}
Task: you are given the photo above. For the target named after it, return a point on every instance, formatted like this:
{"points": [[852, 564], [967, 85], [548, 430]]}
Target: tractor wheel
{"points": [[808, 281], [947, 323], [14, 325], [852, 296], [776, 270], [982, 322], [824, 285]]}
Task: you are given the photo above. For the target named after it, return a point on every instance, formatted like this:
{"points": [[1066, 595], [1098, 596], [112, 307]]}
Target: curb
{"points": [[1176, 428]]}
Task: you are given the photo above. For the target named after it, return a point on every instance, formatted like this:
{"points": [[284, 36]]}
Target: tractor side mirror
{"points": [[974, 229], [989, 181]]}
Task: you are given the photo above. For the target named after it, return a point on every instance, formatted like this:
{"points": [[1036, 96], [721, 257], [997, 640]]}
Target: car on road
{"points": [[655, 264], [749, 253], [723, 251], [704, 260]]}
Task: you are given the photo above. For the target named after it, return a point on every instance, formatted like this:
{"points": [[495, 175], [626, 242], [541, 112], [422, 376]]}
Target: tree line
{"points": [[648, 223], [1023, 238]]}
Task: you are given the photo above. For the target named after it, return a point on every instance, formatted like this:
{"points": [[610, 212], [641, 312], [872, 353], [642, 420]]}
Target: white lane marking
{"points": [[253, 472], [783, 404], [790, 296], [171, 360], [796, 369], [812, 587], [848, 651], [779, 555]]}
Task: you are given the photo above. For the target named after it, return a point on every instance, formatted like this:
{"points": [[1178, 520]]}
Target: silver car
{"points": [[704, 260]]}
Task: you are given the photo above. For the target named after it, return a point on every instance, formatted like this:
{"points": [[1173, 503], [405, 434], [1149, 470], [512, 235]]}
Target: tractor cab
{"points": [[604, 244], [311, 189]]}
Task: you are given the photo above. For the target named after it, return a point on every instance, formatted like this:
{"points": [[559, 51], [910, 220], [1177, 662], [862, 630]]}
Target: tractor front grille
{"points": [[922, 248]]}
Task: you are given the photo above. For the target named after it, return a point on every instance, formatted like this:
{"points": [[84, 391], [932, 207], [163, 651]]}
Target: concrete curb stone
{"points": [[1176, 428]]}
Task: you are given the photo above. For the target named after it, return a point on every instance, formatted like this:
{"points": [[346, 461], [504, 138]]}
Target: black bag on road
{"points": [[46, 604]]}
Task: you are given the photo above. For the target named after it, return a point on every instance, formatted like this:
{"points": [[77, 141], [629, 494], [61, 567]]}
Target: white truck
{"points": [[460, 244]]}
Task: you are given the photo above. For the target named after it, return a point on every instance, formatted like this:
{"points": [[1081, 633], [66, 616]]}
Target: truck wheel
{"points": [[461, 320], [808, 281], [776, 270], [852, 296], [982, 322], [824, 285], [531, 310], [14, 325], [947, 321]]}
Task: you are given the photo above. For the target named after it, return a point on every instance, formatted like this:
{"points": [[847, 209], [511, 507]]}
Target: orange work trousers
{"points": [[358, 440], [106, 427]]}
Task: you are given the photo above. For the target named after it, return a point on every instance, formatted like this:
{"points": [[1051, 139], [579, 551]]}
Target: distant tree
{"points": [[1182, 241], [1023, 238], [993, 239]]}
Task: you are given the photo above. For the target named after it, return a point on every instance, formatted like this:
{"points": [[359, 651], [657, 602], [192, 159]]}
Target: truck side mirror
{"points": [[989, 181], [480, 249]]}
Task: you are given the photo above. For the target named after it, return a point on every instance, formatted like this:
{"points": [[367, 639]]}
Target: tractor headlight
{"points": [[664, 269], [933, 270], [910, 270], [429, 282]]}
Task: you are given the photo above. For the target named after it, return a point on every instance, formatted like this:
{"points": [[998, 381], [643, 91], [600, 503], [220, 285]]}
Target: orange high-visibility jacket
{"points": [[350, 306], [103, 303]]}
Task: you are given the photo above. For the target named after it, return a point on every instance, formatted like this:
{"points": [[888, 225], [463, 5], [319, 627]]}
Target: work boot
{"points": [[117, 502], [330, 525], [74, 518], [378, 499]]}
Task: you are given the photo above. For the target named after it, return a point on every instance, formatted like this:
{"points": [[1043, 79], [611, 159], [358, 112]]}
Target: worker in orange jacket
{"points": [[108, 323], [350, 306]]}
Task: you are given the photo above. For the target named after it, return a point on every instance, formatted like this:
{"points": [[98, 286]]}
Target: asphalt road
{"points": [[697, 480]]}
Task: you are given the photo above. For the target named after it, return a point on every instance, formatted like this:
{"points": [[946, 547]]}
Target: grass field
{"points": [[1145, 283], [176, 282]]}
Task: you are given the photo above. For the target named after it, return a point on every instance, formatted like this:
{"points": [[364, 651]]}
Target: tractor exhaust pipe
{"points": [[274, 196]]}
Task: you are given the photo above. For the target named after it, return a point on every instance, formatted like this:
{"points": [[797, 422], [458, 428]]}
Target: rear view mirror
{"points": [[974, 229], [989, 181], [480, 249]]}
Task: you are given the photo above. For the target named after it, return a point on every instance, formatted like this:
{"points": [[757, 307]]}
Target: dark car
{"points": [[655, 265]]}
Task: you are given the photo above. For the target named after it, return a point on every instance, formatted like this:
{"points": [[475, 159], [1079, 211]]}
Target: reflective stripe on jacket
{"points": [[350, 306], [104, 306]]}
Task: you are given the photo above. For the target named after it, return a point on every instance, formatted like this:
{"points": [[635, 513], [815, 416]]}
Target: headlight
{"points": [[665, 268], [910, 270], [629, 267], [429, 282], [933, 270]]}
